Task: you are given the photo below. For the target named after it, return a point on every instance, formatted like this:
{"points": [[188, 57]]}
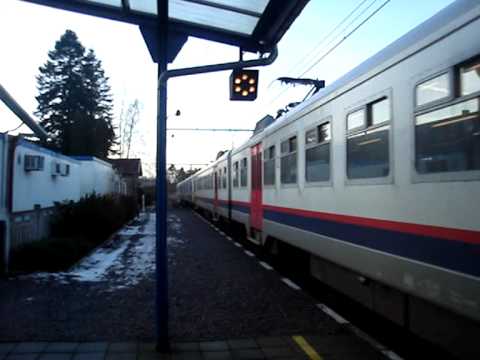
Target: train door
{"points": [[256, 210], [215, 193]]}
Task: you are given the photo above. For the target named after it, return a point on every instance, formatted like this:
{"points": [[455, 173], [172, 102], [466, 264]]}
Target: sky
{"points": [[29, 31]]}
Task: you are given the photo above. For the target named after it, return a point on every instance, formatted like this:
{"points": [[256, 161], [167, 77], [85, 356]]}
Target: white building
{"points": [[33, 179]]}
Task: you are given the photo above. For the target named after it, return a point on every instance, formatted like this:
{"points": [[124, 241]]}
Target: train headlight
{"points": [[243, 85]]}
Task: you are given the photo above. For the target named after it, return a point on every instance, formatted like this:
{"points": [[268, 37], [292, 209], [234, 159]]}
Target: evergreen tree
{"points": [[74, 101]]}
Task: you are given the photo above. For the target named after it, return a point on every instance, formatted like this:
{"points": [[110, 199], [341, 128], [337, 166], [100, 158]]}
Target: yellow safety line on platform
{"points": [[307, 348]]}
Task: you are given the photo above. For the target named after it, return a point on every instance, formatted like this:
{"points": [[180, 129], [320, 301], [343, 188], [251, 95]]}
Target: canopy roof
{"points": [[252, 25]]}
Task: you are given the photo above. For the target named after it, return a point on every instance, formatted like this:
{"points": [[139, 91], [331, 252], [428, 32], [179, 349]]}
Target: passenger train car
{"points": [[377, 177]]}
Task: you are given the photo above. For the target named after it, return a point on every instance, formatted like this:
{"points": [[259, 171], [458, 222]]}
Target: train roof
{"points": [[438, 26]]}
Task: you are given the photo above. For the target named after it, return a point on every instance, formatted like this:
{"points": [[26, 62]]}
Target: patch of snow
{"points": [[131, 259], [172, 240], [138, 264], [94, 267], [129, 230]]}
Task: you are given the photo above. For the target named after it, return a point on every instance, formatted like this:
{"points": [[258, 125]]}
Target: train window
{"points": [[243, 172], [380, 112], [311, 137], [448, 139], [433, 90], [470, 78], [368, 148], [235, 174], [356, 120], [288, 162], [269, 166], [317, 153]]}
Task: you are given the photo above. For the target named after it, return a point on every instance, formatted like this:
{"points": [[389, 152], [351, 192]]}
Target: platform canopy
{"points": [[252, 25]]}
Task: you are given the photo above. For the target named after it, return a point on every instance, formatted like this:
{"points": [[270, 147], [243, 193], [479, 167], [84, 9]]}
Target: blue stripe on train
{"points": [[241, 208], [454, 255]]}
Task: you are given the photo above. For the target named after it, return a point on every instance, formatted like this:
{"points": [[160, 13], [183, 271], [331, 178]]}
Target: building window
{"points": [[470, 78], [288, 162], [368, 141], [235, 174], [433, 90], [317, 153], [448, 139], [243, 172], [269, 166]]}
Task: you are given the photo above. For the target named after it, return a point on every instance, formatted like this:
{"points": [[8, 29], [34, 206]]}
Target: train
{"points": [[377, 178]]}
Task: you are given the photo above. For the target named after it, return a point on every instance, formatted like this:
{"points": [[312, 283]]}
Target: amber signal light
{"points": [[243, 85]]}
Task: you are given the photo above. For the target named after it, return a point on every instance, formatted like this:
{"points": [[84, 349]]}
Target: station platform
{"points": [[281, 347], [225, 303]]}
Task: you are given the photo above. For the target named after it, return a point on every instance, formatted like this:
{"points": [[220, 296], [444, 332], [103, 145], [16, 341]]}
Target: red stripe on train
{"points": [[468, 236]]}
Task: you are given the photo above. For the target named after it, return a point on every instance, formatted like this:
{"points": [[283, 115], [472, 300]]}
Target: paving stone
{"points": [[186, 355], [123, 347], [248, 354], [154, 356], [242, 344], [121, 356], [6, 348], [147, 347], [277, 341], [89, 347], [29, 347], [55, 356], [22, 357], [374, 355], [89, 356], [186, 346], [339, 344], [214, 346], [61, 347], [278, 352], [217, 355]]}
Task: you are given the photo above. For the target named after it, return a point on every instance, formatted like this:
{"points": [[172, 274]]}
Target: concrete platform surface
{"points": [[298, 347], [225, 303]]}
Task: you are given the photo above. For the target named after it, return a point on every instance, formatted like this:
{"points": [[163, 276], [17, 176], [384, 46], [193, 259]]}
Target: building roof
{"points": [[127, 167]]}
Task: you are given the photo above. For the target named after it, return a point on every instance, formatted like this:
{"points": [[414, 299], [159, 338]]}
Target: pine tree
{"points": [[74, 101]]}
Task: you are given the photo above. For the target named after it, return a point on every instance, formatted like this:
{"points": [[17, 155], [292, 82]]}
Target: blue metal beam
{"points": [[161, 253]]}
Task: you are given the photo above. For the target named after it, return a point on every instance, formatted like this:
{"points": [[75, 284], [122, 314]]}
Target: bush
{"points": [[76, 229], [93, 216]]}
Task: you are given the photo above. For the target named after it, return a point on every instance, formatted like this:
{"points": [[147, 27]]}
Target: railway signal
{"points": [[243, 85]]}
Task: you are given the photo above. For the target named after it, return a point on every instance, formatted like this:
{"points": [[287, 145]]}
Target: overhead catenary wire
{"points": [[317, 46], [345, 29], [331, 40], [328, 52], [376, 11]]}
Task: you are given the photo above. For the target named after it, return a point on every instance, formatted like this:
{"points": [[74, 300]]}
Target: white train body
{"points": [[408, 218]]}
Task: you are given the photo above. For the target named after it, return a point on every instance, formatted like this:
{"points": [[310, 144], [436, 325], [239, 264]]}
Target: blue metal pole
{"points": [[161, 186]]}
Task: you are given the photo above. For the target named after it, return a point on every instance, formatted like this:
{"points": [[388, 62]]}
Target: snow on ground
{"points": [[175, 223], [129, 230], [123, 262]]}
